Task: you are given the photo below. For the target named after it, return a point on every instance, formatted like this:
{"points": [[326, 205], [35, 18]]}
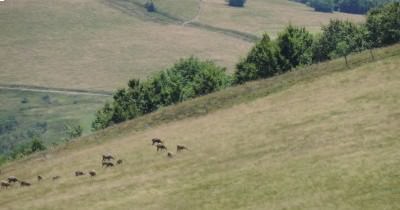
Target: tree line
{"points": [[294, 47], [348, 6]]}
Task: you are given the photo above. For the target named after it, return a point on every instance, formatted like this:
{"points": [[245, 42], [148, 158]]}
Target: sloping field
{"points": [[257, 17], [86, 44], [327, 141]]}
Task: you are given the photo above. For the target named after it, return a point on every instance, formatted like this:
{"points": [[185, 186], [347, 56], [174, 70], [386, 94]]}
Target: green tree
{"points": [[37, 145], [73, 131], [343, 49], [295, 45], [383, 25], [263, 61]]}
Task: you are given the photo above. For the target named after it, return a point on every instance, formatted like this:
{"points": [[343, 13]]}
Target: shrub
{"points": [[150, 6], [262, 61], [237, 3], [383, 25], [295, 46], [73, 131], [188, 78]]}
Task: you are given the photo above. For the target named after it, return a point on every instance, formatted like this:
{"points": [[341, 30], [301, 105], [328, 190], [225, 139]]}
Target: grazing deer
{"points": [[108, 157], [25, 184], [119, 162], [5, 184], [12, 179], [156, 141], [180, 148], [92, 173], [107, 164], [79, 173], [170, 155], [161, 147]]}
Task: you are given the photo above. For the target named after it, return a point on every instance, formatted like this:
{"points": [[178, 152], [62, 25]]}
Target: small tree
{"points": [[150, 6], [237, 3], [73, 131], [343, 49], [37, 145]]}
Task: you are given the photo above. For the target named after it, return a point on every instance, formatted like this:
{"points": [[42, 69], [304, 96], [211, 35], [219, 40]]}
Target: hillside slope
{"points": [[327, 142]]}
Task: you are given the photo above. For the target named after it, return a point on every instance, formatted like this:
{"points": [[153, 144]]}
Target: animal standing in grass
{"points": [[12, 179], [170, 155], [79, 173], [161, 147], [156, 141], [25, 184], [108, 157], [92, 173], [119, 162], [180, 148], [107, 164], [5, 184]]}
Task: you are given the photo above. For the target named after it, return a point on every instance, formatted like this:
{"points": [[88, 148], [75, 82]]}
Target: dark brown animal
{"points": [[156, 141], [5, 184], [161, 147], [12, 179], [56, 177], [107, 164], [25, 184], [92, 173], [79, 173], [108, 157], [39, 178], [180, 148], [119, 162], [169, 155]]}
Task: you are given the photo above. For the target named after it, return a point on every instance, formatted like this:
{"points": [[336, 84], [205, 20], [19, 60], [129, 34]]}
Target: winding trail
{"points": [[195, 18], [54, 90]]}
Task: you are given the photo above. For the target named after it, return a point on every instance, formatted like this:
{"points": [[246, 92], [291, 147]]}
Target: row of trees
{"points": [[295, 46], [349, 6], [188, 78]]}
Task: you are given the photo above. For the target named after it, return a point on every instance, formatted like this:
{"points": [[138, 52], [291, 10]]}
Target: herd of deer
{"points": [[105, 162]]}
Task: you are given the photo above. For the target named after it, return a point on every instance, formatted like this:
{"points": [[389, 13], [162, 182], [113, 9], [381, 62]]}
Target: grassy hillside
{"points": [[24, 115], [322, 137]]}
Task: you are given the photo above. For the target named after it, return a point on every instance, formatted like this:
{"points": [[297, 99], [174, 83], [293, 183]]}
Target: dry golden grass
{"points": [[330, 143], [271, 16], [84, 44]]}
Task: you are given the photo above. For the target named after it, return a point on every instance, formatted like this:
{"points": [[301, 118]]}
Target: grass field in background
{"points": [[29, 114], [89, 45], [322, 137]]}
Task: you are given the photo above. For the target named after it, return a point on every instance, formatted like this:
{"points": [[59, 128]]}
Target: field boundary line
{"points": [[32, 88]]}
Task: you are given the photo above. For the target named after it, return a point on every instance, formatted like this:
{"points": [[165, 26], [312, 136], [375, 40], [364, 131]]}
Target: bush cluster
{"points": [[349, 6]]}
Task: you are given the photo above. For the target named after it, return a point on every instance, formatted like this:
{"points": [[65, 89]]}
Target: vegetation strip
{"points": [[54, 90]]}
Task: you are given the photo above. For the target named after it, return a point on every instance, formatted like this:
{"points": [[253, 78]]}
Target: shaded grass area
{"points": [[327, 141], [25, 115]]}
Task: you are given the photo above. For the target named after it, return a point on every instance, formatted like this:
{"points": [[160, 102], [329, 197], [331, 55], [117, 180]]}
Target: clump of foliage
{"points": [[150, 6], [188, 78], [349, 6], [21, 150], [73, 131], [383, 25], [236, 3]]}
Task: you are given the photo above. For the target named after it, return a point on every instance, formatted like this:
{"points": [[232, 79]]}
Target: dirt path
{"points": [[54, 90], [195, 18]]}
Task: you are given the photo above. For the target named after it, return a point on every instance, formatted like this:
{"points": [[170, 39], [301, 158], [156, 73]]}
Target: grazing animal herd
{"points": [[106, 162]]}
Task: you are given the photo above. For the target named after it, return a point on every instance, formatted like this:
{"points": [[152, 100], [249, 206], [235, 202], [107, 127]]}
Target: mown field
{"points": [[93, 46], [257, 17], [25, 115], [321, 137], [100, 44]]}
